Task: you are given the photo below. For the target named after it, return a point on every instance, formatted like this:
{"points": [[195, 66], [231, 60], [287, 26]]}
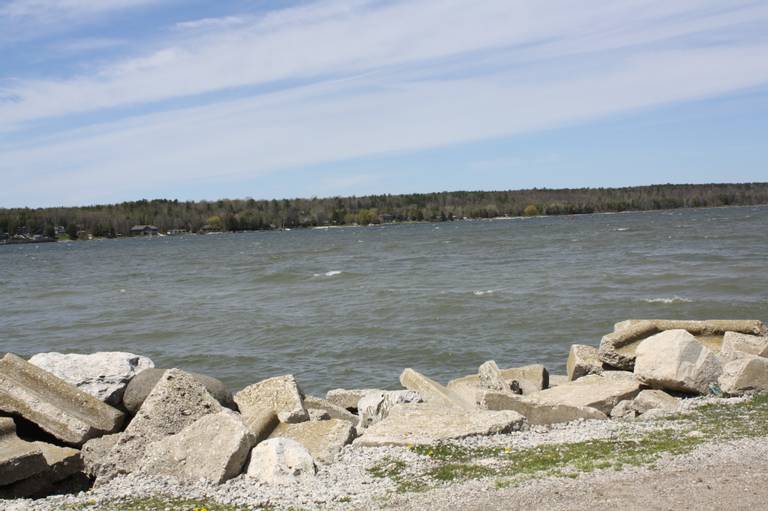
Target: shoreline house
{"points": [[144, 230]]}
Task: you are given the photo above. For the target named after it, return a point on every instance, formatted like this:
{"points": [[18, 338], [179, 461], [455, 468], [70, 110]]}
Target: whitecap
{"points": [[481, 293], [674, 299], [621, 229], [331, 273]]}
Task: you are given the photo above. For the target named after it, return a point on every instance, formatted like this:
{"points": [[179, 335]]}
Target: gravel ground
{"points": [[347, 484]]}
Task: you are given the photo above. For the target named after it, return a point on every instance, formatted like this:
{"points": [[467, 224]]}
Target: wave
{"points": [[331, 273], [674, 299], [621, 229], [482, 293]]}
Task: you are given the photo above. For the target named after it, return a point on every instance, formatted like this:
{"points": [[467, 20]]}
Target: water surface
{"points": [[351, 307]]}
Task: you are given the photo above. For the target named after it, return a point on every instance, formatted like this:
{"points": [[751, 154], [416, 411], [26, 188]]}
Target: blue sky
{"points": [[111, 100]]}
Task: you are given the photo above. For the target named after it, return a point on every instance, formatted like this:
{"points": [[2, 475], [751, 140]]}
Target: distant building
{"points": [[144, 230], [59, 229]]}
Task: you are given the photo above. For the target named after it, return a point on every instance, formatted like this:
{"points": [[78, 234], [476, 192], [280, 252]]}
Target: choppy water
{"points": [[351, 307]]}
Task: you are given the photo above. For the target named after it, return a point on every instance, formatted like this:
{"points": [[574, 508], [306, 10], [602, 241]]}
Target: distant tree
{"points": [[71, 231], [531, 210]]}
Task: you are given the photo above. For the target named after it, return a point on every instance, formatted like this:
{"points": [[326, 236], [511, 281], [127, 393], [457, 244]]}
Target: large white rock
{"points": [[583, 360], [281, 461], [746, 374], [738, 345], [333, 411], [536, 412], [675, 360], [103, 375], [651, 399], [323, 439], [375, 406], [348, 398], [432, 392], [212, 449], [177, 401], [280, 394], [419, 424]]}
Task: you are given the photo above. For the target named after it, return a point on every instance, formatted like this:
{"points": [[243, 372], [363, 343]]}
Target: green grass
{"points": [[450, 462], [158, 503]]}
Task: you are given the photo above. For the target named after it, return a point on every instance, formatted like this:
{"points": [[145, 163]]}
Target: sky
{"points": [[103, 101]]}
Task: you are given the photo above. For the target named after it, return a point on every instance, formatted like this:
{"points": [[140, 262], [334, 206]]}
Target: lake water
{"points": [[352, 307]]}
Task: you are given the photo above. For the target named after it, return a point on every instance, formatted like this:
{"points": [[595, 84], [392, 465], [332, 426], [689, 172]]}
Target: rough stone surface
{"points": [[745, 374], [650, 399], [555, 380], [623, 410], [583, 360], [316, 414], [530, 379], [601, 392], [376, 406], [18, 459], [348, 398], [281, 461], [491, 378], [617, 349], [56, 406], [432, 392], [675, 360], [213, 448], [736, 345], [418, 424], [333, 411], [95, 451], [60, 463], [535, 412], [281, 394], [103, 375], [323, 439], [261, 425], [177, 401], [142, 384]]}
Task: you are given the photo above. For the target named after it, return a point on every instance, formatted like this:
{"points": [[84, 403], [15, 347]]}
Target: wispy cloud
{"points": [[360, 78]]}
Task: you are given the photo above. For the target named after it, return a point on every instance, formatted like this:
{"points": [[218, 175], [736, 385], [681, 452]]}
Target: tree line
{"points": [[248, 214]]}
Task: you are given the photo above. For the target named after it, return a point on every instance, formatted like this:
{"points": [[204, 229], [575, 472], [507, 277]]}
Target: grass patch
{"points": [[451, 462], [158, 502], [395, 470]]}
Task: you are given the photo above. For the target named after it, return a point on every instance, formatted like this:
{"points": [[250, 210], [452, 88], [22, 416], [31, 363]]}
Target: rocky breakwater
{"points": [[58, 434]]}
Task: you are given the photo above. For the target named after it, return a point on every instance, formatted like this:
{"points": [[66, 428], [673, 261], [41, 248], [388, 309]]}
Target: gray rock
{"points": [[602, 392], [316, 414], [535, 412], [623, 410], [18, 459], [736, 345], [333, 411], [674, 360], [142, 384], [56, 406], [261, 425], [177, 401], [555, 380], [530, 379], [95, 451], [60, 463], [280, 394], [103, 375], [421, 424], [434, 393], [281, 461], [323, 439], [348, 398], [746, 374], [583, 360], [375, 406], [655, 413], [654, 399], [212, 449], [491, 378]]}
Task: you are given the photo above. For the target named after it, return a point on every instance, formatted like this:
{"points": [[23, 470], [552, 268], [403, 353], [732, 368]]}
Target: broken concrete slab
{"points": [[674, 360], [491, 378], [623, 410], [18, 459], [555, 380], [57, 407], [333, 411], [651, 399], [104, 375], [61, 463], [617, 349], [535, 412], [261, 425], [281, 394], [214, 449], [737, 345], [376, 406], [348, 398], [142, 384], [95, 451], [529, 379], [745, 374], [281, 461], [323, 439], [583, 360], [432, 392], [602, 392], [177, 401], [420, 424]]}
